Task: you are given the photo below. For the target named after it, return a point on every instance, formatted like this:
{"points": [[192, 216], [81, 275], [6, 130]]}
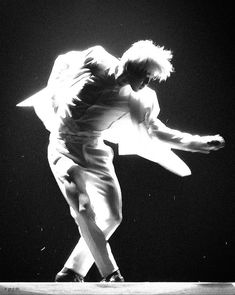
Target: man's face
{"points": [[138, 79], [138, 83]]}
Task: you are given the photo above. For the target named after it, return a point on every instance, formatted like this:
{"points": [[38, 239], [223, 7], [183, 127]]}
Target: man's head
{"points": [[144, 61]]}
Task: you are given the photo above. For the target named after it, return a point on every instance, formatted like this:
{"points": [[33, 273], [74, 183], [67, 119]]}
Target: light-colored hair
{"points": [[145, 52]]}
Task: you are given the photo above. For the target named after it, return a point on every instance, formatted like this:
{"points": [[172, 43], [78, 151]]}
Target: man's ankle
{"points": [[114, 277], [68, 275]]}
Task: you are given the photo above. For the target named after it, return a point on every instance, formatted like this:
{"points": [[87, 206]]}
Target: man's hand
{"points": [[206, 144], [185, 141]]}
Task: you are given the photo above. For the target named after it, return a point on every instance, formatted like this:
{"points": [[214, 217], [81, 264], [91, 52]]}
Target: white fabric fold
{"points": [[134, 139]]}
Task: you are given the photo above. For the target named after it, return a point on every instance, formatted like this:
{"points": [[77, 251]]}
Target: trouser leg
{"points": [[97, 244], [81, 259], [96, 222], [88, 214]]}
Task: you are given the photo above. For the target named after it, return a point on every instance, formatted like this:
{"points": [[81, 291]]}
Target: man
{"points": [[92, 96]]}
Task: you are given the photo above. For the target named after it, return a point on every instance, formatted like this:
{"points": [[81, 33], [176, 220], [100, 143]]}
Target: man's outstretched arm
{"points": [[185, 141]]}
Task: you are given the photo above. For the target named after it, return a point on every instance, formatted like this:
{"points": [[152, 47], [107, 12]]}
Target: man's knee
{"points": [[78, 176], [76, 187], [77, 199], [111, 224], [119, 218], [84, 203], [81, 208], [116, 219]]}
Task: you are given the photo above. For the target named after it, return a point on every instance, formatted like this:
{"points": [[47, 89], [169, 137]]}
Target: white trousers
{"points": [[84, 171]]}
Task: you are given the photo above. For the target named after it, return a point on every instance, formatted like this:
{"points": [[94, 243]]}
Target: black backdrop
{"points": [[174, 229]]}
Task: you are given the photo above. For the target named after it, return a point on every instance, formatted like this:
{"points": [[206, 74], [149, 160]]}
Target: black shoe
{"points": [[68, 275], [114, 277]]}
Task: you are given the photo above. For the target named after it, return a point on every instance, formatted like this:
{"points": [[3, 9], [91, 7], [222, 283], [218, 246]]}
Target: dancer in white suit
{"points": [[92, 96]]}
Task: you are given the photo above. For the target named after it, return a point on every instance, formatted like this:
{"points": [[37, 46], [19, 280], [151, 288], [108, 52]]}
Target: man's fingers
{"points": [[214, 142], [207, 144]]}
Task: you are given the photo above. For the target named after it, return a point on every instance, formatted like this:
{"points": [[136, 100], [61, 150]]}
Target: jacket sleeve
{"points": [[132, 136], [181, 140], [145, 110]]}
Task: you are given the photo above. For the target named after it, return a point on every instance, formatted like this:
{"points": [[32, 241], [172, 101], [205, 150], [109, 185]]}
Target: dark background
{"points": [[174, 229]]}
